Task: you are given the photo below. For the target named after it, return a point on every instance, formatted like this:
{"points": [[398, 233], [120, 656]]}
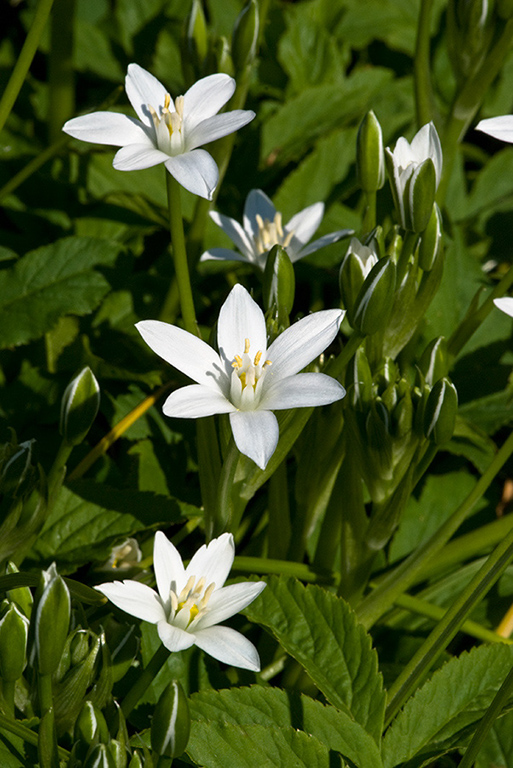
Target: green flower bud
{"points": [[90, 726], [359, 384], [71, 690], [402, 416], [194, 42], [375, 299], [136, 761], [355, 267], [370, 155], [504, 8], [379, 440], [279, 281], [470, 28], [245, 36], [434, 361], [100, 757], [22, 596], [223, 56], [118, 753], [171, 722], [431, 240], [440, 412], [419, 196], [79, 407], [51, 621], [13, 644], [18, 475]]}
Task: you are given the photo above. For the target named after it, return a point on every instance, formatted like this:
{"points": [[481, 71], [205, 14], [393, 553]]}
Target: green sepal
{"points": [[440, 412], [419, 196], [137, 761], [359, 381], [13, 643], [245, 36], [279, 281], [52, 618], [375, 298], [79, 407], [47, 741], [100, 757], [70, 692], [402, 416], [223, 56], [379, 441], [194, 42], [434, 361], [171, 722], [370, 156], [22, 596], [431, 240]]}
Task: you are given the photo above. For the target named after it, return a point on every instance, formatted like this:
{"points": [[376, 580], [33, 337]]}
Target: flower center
{"points": [[247, 379], [190, 603], [169, 126], [270, 233]]}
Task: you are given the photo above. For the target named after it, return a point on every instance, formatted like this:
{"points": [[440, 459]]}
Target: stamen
{"points": [[237, 362], [246, 346], [174, 601], [277, 223], [184, 594], [206, 596], [258, 357], [167, 101], [287, 240]]}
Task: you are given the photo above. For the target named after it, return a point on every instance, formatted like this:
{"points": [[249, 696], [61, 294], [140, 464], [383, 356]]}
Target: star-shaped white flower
{"points": [[505, 304], [500, 127], [247, 379], [263, 229], [191, 601], [167, 131]]}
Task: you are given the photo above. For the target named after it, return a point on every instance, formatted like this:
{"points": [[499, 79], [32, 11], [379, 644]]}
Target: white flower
{"points": [[263, 229], [167, 132], [247, 379], [499, 127], [505, 304], [406, 159], [366, 257], [125, 556], [191, 601]]}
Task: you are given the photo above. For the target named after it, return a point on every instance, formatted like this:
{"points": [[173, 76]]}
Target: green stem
{"points": [[424, 100], [45, 693], [57, 471], [24, 60], [29, 736], [442, 634], [180, 260], [409, 243], [60, 67], [401, 578], [279, 530], [225, 517], [34, 165], [8, 688], [500, 700], [369, 216], [145, 679], [306, 573]]}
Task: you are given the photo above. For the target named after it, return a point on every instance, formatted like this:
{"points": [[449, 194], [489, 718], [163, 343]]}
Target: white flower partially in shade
{"points": [[499, 127], [167, 131], [366, 256], [263, 229], [191, 602], [247, 379], [505, 304]]}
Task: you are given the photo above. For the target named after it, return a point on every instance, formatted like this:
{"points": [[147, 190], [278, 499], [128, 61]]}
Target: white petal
{"points": [[143, 89], [217, 126], [196, 171], [302, 342], [168, 566], [229, 646], [302, 390], [227, 602], [256, 434], [206, 97], [333, 237], [234, 231], [182, 350], [223, 254], [196, 401], [213, 561], [426, 143], [173, 638], [107, 128], [134, 598], [240, 318], [499, 127], [257, 202], [135, 157], [505, 305], [306, 222]]}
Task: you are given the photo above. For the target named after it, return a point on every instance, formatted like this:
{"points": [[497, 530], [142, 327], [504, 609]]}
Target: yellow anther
{"points": [[267, 362], [259, 221], [237, 362], [167, 101], [152, 111], [246, 346], [194, 612], [287, 240], [258, 357], [277, 224]]}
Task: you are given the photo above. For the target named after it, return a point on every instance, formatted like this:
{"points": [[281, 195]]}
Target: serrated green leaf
{"points": [[322, 633], [447, 708], [88, 518], [49, 282], [224, 745], [272, 707]]}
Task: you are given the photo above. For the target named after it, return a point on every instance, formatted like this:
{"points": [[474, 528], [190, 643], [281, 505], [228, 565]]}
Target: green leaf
{"points": [[322, 633], [88, 518], [497, 750], [52, 281], [224, 745], [446, 709], [11, 755], [272, 708]]}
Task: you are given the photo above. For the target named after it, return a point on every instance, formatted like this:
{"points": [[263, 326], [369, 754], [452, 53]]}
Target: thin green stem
{"points": [[225, 516], [500, 700], [445, 630], [369, 216], [24, 60], [145, 679], [61, 74], [401, 578], [424, 99], [34, 165], [279, 530], [300, 571], [57, 471], [8, 688], [29, 736], [180, 260], [45, 693], [409, 243]]}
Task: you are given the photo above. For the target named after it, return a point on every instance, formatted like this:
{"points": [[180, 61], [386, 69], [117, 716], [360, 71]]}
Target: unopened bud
{"points": [[359, 384], [370, 156], [440, 412], [90, 725], [100, 757], [22, 596], [245, 36], [434, 361], [375, 299], [431, 241], [18, 474], [13, 644], [355, 267], [79, 407], [194, 42], [52, 621], [279, 281], [171, 722], [419, 196], [223, 56]]}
